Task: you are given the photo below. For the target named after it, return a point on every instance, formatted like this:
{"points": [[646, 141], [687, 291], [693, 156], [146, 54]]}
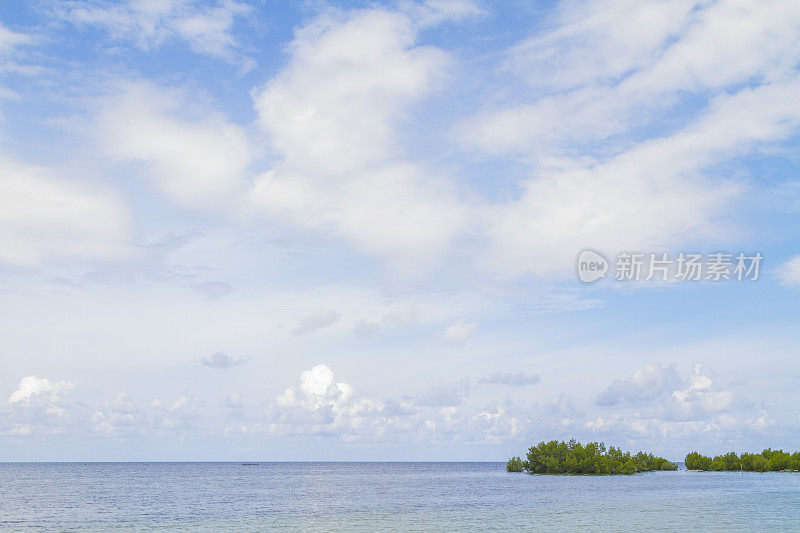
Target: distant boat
{"points": [[249, 464]]}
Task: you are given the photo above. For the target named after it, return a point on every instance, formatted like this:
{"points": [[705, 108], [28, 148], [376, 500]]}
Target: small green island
{"points": [[572, 457], [767, 461]]}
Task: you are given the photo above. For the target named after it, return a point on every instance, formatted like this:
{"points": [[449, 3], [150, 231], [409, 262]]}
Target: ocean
{"points": [[384, 497]]}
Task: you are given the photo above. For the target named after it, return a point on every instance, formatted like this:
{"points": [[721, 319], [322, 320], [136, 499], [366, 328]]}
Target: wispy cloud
{"points": [[46, 218], [459, 332], [223, 361], [516, 379], [207, 29], [316, 321], [789, 272]]}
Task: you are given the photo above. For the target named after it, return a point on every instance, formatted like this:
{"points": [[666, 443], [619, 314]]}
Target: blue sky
{"points": [[259, 230]]}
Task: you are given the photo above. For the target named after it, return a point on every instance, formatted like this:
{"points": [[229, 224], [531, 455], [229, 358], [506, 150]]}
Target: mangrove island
{"points": [[767, 461], [592, 459]]}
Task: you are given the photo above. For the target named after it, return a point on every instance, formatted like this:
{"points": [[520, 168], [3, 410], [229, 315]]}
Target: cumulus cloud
{"points": [[124, 416], [32, 387], [363, 89], [37, 406], [789, 272], [516, 379], [659, 406], [223, 361], [660, 392], [196, 155], [207, 29], [234, 400], [182, 414], [646, 384], [320, 404], [316, 321], [698, 398], [120, 415], [332, 114]]}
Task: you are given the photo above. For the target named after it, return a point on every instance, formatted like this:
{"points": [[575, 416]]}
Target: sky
{"points": [[236, 230]]}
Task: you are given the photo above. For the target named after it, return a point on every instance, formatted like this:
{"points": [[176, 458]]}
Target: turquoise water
{"points": [[384, 497]]}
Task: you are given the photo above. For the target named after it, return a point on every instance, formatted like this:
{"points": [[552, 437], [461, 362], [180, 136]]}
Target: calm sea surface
{"points": [[384, 497]]}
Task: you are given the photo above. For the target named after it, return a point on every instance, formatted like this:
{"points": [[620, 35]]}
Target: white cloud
{"points": [[183, 414], [320, 404], [332, 115], [398, 321], [596, 424], [433, 12], [657, 406], [698, 398], [789, 271], [9, 40], [598, 41], [459, 332], [121, 414], [45, 219], [654, 196], [349, 77], [625, 118], [500, 422], [37, 406], [223, 361], [12, 56], [151, 23], [444, 394], [609, 73], [234, 400], [124, 416], [196, 155], [661, 393], [646, 384], [33, 387]]}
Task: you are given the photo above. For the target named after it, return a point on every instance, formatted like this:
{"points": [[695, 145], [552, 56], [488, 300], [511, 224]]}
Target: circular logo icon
{"points": [[591, 266]]}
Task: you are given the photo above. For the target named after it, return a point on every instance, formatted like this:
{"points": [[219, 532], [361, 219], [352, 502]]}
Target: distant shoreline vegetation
{"points": [[592, 459], [767, 461]]}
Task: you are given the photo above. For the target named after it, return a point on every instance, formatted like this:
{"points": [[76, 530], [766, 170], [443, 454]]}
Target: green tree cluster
{"points": [[515, 464], [571, 457], [767, 461]]}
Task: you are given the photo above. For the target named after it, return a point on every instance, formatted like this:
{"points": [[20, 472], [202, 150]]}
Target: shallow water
{"points": [[384, 497]]}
